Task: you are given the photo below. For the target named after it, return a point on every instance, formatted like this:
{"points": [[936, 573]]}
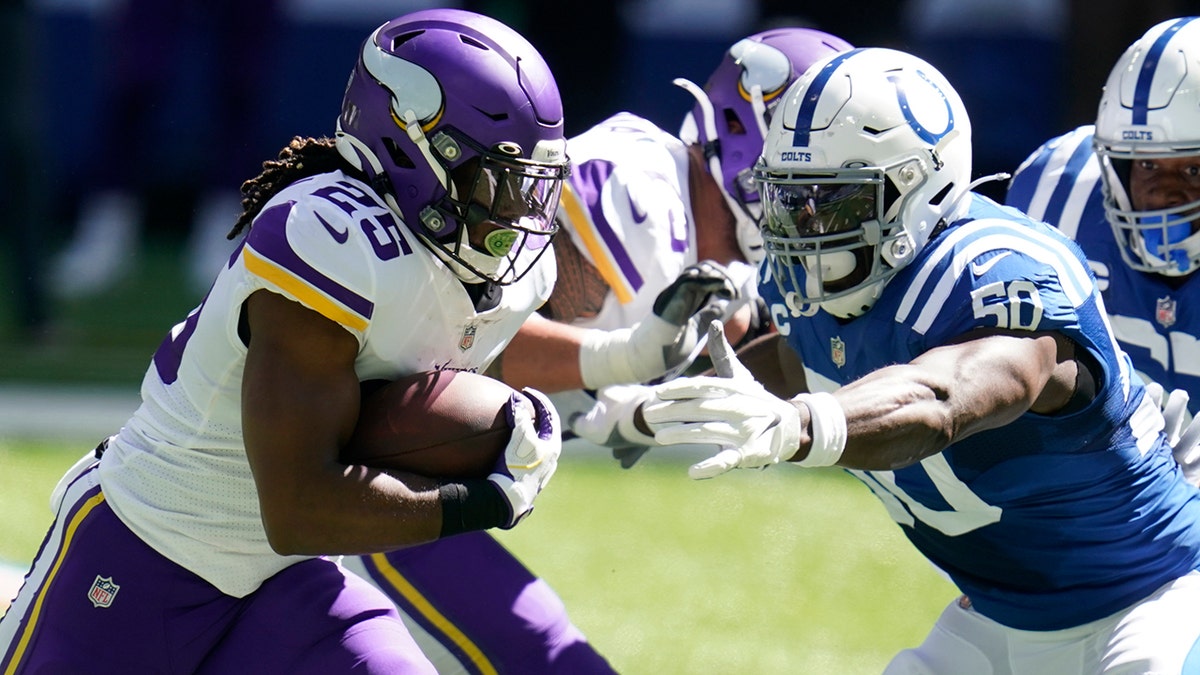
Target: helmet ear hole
{"points": [[941, 194], [734, 123], [397, 155]]}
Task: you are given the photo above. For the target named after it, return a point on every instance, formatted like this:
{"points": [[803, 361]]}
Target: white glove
{"points": [[1182, 430], [751, 427], [668, 340], [531, 456], [610, 422]]}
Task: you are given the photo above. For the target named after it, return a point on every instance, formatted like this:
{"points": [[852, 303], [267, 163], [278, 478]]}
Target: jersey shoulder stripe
{"points": [[1060, 182], [602, 246], [268, 255], [941, 269]]}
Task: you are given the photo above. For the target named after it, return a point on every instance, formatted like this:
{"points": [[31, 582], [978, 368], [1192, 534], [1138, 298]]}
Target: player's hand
{"points": [[667, 341], [733, 411], [1182, 431], [610, 422], [532, 453]]}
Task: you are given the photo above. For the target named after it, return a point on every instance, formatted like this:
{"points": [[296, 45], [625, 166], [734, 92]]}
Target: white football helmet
{"points": [[1150, 109], [868, 153]]}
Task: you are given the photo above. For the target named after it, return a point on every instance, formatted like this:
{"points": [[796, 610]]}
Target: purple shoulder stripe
{"points": [[268, 238]]}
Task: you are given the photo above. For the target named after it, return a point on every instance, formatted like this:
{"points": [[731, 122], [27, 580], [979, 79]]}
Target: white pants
{"points": [[1159, 635]]}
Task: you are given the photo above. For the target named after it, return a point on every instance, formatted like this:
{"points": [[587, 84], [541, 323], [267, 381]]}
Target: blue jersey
{"points": [[1151, 315], [1047, 522]]}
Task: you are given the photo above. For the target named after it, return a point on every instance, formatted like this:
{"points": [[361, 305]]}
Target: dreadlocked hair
{"points": [[300, 158]]}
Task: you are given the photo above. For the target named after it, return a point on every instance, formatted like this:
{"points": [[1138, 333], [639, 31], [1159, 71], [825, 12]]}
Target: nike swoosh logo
{"points": [[338, 236], [639, 216], [981, 269]]}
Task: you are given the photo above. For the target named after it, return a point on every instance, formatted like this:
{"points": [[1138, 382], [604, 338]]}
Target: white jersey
{"points": [[177, 474], [628, 209]]}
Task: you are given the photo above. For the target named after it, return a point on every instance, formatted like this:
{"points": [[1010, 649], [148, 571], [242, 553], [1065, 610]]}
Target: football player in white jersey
{"points": [[196, 541], [1127, 190], [963, 368], [643, 204], [653, 234]]}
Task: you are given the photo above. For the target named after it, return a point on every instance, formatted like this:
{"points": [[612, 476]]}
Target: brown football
{"points": [[439, 423]]}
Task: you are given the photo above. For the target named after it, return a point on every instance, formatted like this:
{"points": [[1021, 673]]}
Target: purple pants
{"points": [[475, 608], [98, 600]]}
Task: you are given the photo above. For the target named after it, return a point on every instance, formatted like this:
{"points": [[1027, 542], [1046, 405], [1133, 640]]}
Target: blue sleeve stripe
{"points": [[1066, 183], [1085, 201], [1053, 169], [1141, 92], [1027, 180]]}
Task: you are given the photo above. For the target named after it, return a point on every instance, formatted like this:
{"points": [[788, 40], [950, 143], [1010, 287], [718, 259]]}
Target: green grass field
{"points": [[757, 573]]}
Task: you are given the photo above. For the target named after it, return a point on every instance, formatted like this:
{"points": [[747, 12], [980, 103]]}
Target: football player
{"points": [[656, 231], [962, 367], [195, 540], [1127, 189], [642, 204]]}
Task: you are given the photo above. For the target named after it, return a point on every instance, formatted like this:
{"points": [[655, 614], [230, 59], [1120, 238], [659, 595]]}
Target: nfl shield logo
{"points": [[1164, 312], [837, 350], [103, 591], [468, 338]]}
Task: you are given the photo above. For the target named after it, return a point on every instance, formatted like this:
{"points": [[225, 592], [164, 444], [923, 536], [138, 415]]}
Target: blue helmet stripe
{"points": [[808, 107], [1141, 93]]}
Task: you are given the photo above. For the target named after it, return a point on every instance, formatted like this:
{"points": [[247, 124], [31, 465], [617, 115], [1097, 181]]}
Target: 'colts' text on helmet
{"points": [[867, 153], [1148, 142]]}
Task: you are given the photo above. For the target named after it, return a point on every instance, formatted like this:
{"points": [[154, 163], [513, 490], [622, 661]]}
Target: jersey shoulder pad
{"points": [[996, 273], [1045, 182], [321, 242]]}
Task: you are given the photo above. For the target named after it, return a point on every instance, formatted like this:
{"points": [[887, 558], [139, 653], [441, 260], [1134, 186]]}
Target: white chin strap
{"points": [[854, 304], [749, 237], [834, 267], [485, 263]]}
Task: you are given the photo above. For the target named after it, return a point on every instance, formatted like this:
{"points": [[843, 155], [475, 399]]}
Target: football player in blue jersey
{"points": [[961, 365], [198, 538], [1127, 190]]}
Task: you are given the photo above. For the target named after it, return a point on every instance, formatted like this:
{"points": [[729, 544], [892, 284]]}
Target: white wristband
{"points": [[603, 358], [827, 422]]}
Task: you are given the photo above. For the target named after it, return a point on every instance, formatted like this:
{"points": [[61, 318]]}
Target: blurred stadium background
{"points": [[779, 572]]}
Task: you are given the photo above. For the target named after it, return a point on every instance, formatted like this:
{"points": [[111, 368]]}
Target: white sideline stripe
{"points": [[11, 577], [70, 413]]}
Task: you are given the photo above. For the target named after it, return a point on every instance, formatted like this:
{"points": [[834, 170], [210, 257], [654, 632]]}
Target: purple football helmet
{"points": [[456, 121], [733, 111]]}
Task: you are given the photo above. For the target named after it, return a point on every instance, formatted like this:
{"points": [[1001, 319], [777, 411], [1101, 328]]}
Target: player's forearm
{"points": [[544, 355], [349, 510], [893, 420], [901, 414]]}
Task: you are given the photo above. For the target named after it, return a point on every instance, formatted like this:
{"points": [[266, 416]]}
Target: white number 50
{"points": [[1014, 296]]}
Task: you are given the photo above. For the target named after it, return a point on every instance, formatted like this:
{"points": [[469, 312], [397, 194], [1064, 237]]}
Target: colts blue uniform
{"points": [[1050, 521], [1151, 315]]}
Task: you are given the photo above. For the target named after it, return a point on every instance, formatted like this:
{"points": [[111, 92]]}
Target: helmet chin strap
{"points": [[749, 238], [471, 260], [412, 126]]}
